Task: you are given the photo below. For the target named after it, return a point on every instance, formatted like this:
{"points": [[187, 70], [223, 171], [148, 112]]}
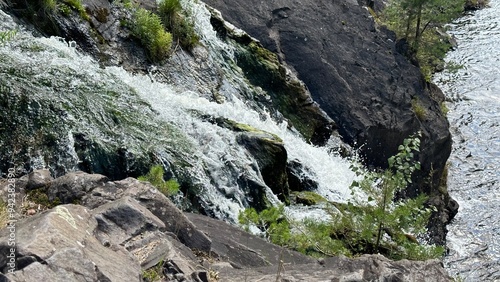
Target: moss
{"points": [[39, 196], [78, 6], [263, 69], [308, 198], [418, 109]]}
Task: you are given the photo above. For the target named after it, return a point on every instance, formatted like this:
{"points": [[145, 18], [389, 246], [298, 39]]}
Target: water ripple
{"points": [[474, 95]]}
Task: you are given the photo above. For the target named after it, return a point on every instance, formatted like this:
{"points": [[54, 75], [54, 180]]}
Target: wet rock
{"points": [[308, 198], [271, 156], [299, 177]]}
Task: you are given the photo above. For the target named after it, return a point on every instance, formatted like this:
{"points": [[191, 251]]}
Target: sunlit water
{"points": [[474, 179]]}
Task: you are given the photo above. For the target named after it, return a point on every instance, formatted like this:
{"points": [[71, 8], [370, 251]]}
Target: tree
{"points": [[375, 222], [410, 19]]}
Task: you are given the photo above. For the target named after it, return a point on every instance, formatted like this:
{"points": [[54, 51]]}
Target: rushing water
{"points": [[217, 160], [473, 91]]}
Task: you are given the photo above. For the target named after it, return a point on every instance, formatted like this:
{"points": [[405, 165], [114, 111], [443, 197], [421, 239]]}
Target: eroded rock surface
{"points": [[124, 228]]}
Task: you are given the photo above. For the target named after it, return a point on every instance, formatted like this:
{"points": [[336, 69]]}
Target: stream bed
{"points": [[471, 84]]}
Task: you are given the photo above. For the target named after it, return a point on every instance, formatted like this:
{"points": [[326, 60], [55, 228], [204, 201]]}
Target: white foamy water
{"points": [[217, 162]]}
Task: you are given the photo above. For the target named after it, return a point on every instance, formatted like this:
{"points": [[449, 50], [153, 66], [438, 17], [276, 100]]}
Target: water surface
{"points": [[473, 92]]}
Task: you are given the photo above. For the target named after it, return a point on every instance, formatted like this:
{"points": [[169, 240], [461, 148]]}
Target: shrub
{"points": [[155, 177], [149, 29], [375, 224], [177, 22]]}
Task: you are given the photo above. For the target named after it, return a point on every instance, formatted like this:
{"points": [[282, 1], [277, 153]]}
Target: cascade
{"points": [[216, 160]]}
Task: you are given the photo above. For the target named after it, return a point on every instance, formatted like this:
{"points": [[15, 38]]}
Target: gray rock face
{"points": [[58, 245]]}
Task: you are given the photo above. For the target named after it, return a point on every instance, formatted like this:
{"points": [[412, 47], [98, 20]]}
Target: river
{"points": [[472, 87]]}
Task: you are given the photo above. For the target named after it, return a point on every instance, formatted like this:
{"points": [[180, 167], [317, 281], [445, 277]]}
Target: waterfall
{"points": [[216, 160]]}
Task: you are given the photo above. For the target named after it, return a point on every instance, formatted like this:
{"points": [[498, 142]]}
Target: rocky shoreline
{"points": [[120, 229]]}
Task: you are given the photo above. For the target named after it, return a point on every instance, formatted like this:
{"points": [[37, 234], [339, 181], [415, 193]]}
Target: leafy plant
{"points": [[150, 30], [155, 177]]}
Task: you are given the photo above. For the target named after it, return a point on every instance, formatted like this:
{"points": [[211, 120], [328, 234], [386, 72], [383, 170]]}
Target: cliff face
{"points": [[352, 70], [348, 64]]}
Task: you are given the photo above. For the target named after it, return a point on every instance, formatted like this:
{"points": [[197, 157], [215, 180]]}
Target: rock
{"points": [[38, 179], [308, 198], [299, 177], [353, 71], [364, 268], [271, 156], [58, 245], [127, 232], [243, 250], [253, 259], [73, 186], [123, 219], [157, 203]]}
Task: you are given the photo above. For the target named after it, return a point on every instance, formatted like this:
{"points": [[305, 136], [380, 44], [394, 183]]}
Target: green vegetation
{"points": [[49, 5], [418, 109], [155, 177], [272, 222], [154, 273], [308, 198], [64, 7], [77, 5], [39, 196], [177, 21], [149, 29], [7, 35], [419, 23], [376, 223]]}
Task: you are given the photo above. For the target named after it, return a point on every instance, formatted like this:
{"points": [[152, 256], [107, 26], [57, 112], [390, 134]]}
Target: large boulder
{"points": [[58, 245], [353, 72]]}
